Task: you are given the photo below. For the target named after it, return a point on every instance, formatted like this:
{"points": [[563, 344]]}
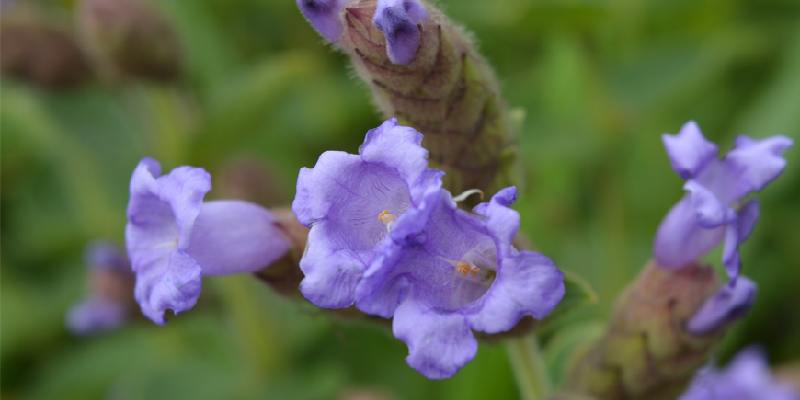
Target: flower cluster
{"points": [[398, 20], [107, 305], [388, 239], [747, 377], [716, 208], [174, 237]]}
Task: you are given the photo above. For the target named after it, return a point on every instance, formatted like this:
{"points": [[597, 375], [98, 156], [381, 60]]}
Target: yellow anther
{"points": [[465, 269], [386, 217]]}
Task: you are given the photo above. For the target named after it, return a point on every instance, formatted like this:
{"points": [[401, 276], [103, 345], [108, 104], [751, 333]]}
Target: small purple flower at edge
{"points": [[324, 16], [747, 377], [712, 210], [173, 237], [399, 20], [386, 237], [100, 312]]}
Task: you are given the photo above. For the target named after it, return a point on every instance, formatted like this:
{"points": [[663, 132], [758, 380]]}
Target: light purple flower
{"points": [[455, 272], [95, 315], [174, 238], [325, 16], [352, 202], [106, 255], [728, 304], [714, 209], [747, 377], [399, 21]]}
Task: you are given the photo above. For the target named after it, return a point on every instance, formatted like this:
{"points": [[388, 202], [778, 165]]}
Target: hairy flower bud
{"points": [[647, 352], [424, 70], [129, 38]]}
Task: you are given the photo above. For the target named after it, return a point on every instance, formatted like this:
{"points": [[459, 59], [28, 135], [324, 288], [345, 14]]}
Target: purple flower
{"points": [[747, 377], [352, 202], [174, 238], [453, 272], [106, 306], [96, 314], [324, 16], [714, 209], [728, 304], [399, 20], [106, 255]]}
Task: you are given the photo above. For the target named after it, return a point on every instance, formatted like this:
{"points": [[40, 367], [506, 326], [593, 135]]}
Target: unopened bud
{"points": [[32, 51], [647, 351], [129, 38]]}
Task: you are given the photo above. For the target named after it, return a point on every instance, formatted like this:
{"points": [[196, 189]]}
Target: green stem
{"points": [[529, 368]]}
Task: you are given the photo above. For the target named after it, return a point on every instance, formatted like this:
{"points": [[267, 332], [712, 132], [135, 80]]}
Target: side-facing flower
{"points": [[352, 202], [453, 272], [714, 209], [107, 305], [325, 16], [173, 237], [747, 377], [728, 304], [399, 20]]}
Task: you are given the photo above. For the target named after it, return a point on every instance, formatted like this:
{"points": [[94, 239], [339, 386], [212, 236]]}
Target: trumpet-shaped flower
{"points": [[174, 238], [454, 272], [715, 208]]}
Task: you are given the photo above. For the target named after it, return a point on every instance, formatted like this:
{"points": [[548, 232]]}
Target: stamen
{"points": [[466, 269], [386, 217]]}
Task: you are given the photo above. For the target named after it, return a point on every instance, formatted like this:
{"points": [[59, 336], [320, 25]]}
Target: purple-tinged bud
{"points": [[106, 255], [399, 21], [174, 237], [646, 352], [325, 16], [729, 303]]}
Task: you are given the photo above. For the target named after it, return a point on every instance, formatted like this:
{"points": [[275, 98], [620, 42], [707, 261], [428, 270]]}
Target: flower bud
{"points": [[647, 351], [424, 70], [129, 38], [44, 55]]}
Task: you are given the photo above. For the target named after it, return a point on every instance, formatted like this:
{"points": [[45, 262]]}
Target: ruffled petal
{"points": [[438, 344], [396, 146], [756, 163], [235, 236], [710, 212], [528, 284], [95, 315], [689, 151], [681, 239], [728, 304], [398, 20], [747, 218], [318, 187], [171, 281], [502, 222], [331, 272], [324, 16]]}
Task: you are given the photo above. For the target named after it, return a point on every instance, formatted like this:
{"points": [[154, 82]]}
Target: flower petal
{"points": [[396, 146], [95, 315], [747, 218], [235, 236], [398, 20], [710, 212], [681, 239], [324, 16], [331, 271], [689, 151], [528, 284], [757, 162], [728, 304], [438, 344], [168, 282]]}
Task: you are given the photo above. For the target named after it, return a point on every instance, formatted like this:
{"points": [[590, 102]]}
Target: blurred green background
{"points": [[599, 82]]}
